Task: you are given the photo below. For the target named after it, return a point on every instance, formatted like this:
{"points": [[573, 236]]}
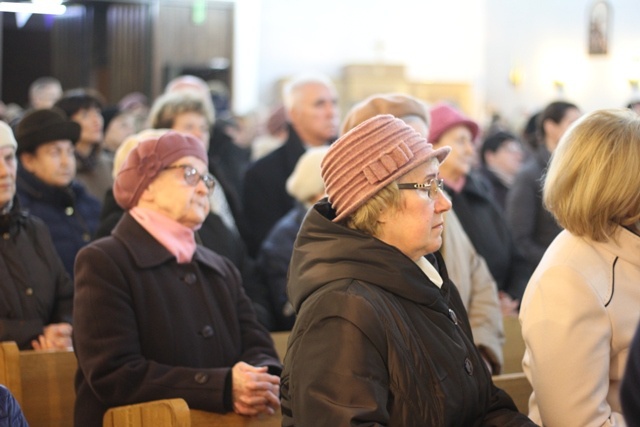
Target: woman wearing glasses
{"points": [[159, 316], [382, 337]]}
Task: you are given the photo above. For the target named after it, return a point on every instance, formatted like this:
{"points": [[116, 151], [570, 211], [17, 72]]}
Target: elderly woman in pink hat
{"points": [[157, 316], [474, 205], [381, 335]]}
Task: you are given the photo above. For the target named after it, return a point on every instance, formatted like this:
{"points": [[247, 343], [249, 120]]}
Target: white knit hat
{"points": [[6, 136], [305, 181]]}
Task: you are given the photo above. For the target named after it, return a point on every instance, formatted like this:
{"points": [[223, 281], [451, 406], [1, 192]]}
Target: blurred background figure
{"points": [[580, 308], [501, 156], [532, 226], [634, 106], [272, 135], [93, 166], [37, 294], [118, 125], [311, 106], [44, 92], [46, 181], [473, 204], [137, 104], [306, 186]]}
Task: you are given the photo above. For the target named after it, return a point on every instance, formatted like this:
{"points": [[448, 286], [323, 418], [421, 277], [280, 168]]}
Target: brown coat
{"points": [[146, 327]]}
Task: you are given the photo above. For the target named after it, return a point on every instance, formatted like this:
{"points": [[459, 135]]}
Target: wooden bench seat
{"points": [[41, 382]]}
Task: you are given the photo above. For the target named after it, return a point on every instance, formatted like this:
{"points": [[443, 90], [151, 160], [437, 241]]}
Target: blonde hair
{"points": [[365, 218], [592, 182], [167, 107], [130, 143]]}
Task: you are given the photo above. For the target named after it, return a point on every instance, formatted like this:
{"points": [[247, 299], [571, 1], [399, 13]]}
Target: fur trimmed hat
{"points": [[369, 157], [41, 126]]}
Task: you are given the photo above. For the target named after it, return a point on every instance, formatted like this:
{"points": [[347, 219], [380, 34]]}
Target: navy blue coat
{"points": [[71, 213], [10, 412]]}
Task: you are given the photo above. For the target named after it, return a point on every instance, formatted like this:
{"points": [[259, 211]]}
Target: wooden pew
{"points": [[513, 349], [176, 413], [42, 382], [517, 386], [280, 340]]}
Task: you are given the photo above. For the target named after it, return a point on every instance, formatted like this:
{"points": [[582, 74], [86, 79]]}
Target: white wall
{"points": [[430, 37], [547, 41], [476, 41]]}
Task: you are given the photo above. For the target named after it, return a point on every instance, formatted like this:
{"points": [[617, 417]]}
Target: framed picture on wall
{"points": [[599, 26]]}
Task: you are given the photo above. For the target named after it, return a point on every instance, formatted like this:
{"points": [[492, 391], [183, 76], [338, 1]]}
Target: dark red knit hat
{"points": [[444, 117], [148, 159]]}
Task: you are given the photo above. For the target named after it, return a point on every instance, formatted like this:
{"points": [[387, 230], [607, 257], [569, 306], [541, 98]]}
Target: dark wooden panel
{"points": [[129, 49], [71, 43], [182, 43]]}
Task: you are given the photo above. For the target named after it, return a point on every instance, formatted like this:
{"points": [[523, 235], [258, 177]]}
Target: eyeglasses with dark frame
{"points": [[192, 177], [432, 187]]}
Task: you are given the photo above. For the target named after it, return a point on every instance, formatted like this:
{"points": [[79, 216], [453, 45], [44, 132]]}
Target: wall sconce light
{"points": [[634, 85], [559, 86], [515, 76]]}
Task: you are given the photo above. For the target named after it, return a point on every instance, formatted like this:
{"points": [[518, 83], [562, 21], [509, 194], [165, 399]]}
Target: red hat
{"points": [[148, 159], [444, 117], [369, 157]]}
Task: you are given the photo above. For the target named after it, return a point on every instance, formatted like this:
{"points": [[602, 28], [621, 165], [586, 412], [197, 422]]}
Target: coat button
{"points": [[201, 378], [190, 278], [6, 236], [29, 291], [207, 331], [68, 211], [453, 317], [468, 366]]}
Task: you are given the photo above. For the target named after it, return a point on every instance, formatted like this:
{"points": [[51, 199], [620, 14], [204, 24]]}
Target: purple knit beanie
{"points": [[369, 157], [148, 159]]}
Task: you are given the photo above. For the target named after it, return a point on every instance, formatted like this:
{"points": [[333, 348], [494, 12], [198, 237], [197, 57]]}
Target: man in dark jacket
{"points": [[311, 105]]}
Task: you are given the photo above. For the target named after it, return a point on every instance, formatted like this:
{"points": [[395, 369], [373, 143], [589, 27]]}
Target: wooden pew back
{"points": [[517, 386], [42, 382], [513, 349]]}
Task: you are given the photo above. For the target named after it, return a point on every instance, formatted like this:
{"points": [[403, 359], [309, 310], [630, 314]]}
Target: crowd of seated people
{"points": [[84, 184]]}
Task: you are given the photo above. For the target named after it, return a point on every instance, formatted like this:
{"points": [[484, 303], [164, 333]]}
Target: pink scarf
{"points": [[175, 237]]}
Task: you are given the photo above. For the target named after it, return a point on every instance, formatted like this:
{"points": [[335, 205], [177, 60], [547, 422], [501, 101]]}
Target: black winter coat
{"points": [[147, 328], [35, 289], [486, 226], [376, 343]]}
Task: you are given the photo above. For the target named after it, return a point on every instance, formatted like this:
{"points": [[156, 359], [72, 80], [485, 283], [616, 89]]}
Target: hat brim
{"points": [[440, 154]]}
